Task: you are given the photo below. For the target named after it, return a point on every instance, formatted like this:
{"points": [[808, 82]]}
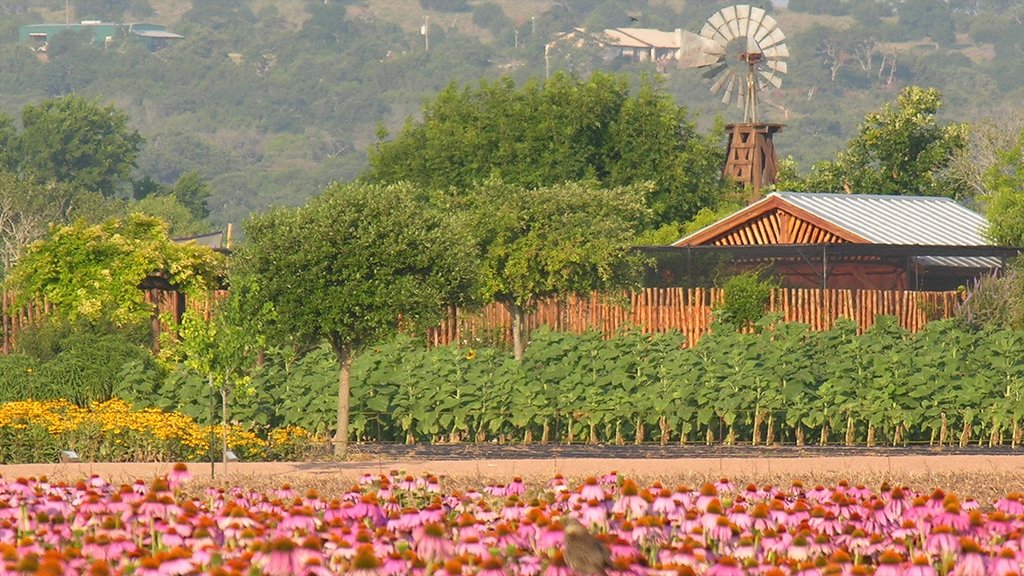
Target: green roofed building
{"points": [[153, 36]]}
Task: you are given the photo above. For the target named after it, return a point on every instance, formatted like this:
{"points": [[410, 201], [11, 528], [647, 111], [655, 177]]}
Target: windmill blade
{"points": [[725, 77], [776, 52], [778, 66], [742, 19], [756, 17], [741, 95], [770, 78], [768, 25], [712, 72], [775, 37], [731, 20], [728, 88], [712, 34], [717, 21], [752, 47]]}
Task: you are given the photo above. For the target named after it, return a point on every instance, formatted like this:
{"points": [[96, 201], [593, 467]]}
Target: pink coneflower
{"points": [[921, 566], [513, 509], [720, 530], [799, 548], [725, 485], [492, 566], [971, 561], [300, 519], [178, 475], [432, 543], [557, 484], [432, 513], [527, 565], [367, 510], [1005, 564], [394, 565], [277, 558], [470, 546], [953, 516], [610, 479], [889, 564], [432, 484], [726, 566], [630, 503], [466, 526], [516, 487], [365, 563], [708, 493], [1011, 504], [407, 484], [557, 566], [593, 513], [591, 490], [664, 504], [684, 496], [551, 536]]}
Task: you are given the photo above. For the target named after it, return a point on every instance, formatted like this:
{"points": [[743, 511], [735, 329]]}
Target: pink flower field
{"points": [[396, 524]]}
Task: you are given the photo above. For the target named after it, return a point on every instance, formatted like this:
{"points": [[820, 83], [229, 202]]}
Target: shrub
{"points": [[747, 296]]}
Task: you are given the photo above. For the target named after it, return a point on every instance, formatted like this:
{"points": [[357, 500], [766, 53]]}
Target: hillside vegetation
{"points": [[271, 100]]}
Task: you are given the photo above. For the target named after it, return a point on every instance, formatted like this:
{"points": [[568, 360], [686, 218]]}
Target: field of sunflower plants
{"points": [[392, 524], [783, 383], [949, 385]]}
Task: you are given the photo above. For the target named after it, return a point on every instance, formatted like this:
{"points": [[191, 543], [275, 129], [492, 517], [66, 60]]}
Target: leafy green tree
{"points": [[193, 192], [94, 271], [1004, 205], [542, 134], [71, 139], [918, 18], [353, 264], [571, 238], [899, 150], [181, 222], [224, 348]]}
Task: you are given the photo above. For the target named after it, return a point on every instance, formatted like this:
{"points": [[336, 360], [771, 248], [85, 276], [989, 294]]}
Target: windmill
{"points": [[744, 52]]}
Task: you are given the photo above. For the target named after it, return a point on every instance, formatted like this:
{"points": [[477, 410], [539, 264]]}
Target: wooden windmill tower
{"points": [[744, 51]]}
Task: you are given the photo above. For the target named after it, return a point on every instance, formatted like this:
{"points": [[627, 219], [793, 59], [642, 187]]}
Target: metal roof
{"points": [[642, 38], [910, 220], [893, 220], [921, 220], [157, 34]]}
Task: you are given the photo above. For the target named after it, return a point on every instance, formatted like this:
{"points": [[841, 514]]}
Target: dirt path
{"points": [[982, 477]]}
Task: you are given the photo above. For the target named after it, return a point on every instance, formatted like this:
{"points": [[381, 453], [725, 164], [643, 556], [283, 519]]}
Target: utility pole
{"points": [[67, 12], [425, 31]]}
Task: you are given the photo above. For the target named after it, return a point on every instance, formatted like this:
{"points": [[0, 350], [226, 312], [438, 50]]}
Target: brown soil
{"points": [[984, 478]]}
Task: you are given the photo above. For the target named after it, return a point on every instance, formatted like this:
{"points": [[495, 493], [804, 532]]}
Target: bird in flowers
{"points": [[584, 553]]}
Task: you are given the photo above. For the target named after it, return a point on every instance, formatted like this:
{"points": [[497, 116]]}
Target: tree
{"points": [[1004, 204], [547, 133], [27, 209], [570, 238], [899, 150], [71, 139], [94, 271], [353, 264], [193, 192], [224, 348]]}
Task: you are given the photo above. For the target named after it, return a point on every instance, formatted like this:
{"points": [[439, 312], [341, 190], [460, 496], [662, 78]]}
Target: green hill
{"points": [[271, 100]]}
